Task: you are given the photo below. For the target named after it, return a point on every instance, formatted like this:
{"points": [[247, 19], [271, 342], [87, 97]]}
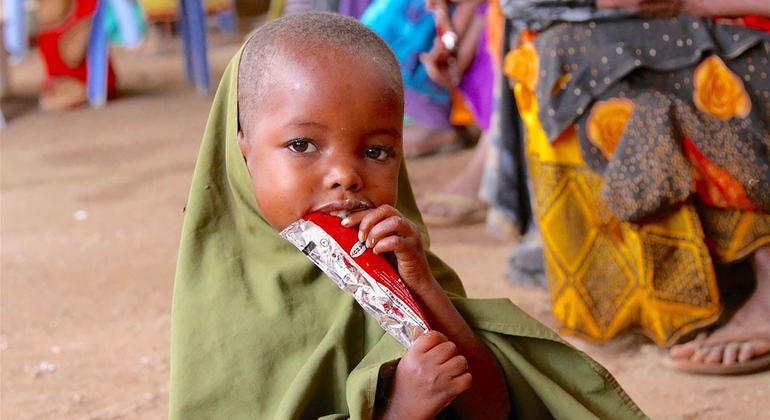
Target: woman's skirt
{"points": [[640, 253]]}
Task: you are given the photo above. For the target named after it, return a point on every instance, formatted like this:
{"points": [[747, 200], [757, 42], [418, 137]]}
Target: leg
{"points": [[458, 202], [468, 181], [746, 336], [422, 140], [429, 131]]}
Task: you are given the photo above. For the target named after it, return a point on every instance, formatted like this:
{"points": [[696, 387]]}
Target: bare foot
{"points": [[63, 93], [746, 336]]}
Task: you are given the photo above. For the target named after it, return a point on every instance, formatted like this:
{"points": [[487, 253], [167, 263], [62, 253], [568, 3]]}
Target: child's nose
{"points": [[345, 177]]}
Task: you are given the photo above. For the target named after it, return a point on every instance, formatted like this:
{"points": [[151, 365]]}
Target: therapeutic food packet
{"points": [[356, 269]]}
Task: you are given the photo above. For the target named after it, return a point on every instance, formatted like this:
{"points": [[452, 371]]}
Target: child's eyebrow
{"points": [[383, 132], [372, 133], [306, 123]]}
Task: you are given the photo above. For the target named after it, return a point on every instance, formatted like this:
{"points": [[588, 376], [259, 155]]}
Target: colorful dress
{"points": [[648, 143]]}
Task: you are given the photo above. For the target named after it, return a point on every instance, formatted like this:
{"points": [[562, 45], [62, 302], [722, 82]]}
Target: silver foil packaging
{"points": [[354, 268]]}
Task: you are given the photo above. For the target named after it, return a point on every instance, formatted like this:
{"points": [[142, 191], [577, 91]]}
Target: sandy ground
{"points": [[91, 215]]}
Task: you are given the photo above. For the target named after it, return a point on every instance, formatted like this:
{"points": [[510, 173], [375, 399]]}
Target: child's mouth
{"points": [[344, 208]]}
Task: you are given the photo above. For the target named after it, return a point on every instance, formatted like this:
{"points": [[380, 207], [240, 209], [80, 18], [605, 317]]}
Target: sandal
{"points": [[459, 210]]}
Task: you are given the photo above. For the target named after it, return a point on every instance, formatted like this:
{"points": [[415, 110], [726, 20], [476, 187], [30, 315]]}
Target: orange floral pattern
{"points": [[718, 91], [607, 122], [523, 64]]}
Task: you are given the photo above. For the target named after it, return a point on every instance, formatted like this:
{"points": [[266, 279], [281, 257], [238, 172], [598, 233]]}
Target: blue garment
{"points": [[119, 34], [408, 29]]}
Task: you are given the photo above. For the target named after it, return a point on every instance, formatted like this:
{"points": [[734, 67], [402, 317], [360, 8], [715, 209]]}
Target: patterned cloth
{"points": [[656, 178], [661, 89]]}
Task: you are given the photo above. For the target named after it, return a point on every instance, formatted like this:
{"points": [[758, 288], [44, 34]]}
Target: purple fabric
{"points": [[478, 82], [477, 86], [353, 8], [420, 108]]}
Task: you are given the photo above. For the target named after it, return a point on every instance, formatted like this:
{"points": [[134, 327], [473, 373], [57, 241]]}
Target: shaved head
{"points": [[296, 36]]}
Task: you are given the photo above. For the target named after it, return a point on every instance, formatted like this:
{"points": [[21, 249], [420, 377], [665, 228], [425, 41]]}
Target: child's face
{"points": [[326, 138]]}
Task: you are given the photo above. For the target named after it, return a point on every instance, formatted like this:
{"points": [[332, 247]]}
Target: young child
{"points": [[308, 117]]}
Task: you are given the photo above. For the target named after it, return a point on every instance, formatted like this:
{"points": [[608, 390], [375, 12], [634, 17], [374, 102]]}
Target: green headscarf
{"points": [[259, 332]]}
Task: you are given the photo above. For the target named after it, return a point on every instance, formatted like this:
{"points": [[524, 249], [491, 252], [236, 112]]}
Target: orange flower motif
{"points": [[718, 91], [523, 64], [606, 123]]}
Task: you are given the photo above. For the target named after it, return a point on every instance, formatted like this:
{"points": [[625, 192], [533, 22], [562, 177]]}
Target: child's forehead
{"points": [[327, 61], [302, 79], [332, 66]]}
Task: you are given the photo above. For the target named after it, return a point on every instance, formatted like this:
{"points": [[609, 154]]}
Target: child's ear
{"points": [[243, 143]]}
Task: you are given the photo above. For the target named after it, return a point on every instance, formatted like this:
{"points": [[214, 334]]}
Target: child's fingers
{"points": [[373, 217], [355, 218], [443, 352], [395, 244], [427, 341], [460, 384], [455, 366], [393, 225]]}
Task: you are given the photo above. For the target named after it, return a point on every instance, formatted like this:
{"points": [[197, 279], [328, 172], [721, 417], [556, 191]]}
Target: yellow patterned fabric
{"points": [[607, 276]]}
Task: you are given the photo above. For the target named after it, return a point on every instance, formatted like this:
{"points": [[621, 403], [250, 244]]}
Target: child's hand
{"points": [[385, 229], [436, 62], [429, 377]]}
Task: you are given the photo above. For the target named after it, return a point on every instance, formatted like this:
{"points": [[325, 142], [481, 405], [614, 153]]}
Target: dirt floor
{"points": [[91, 215]]}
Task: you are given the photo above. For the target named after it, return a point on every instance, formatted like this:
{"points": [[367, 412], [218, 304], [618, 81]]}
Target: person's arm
{"points": [[488, 397], [727, 7], [385, 230], [467, 26], [703, 8]]}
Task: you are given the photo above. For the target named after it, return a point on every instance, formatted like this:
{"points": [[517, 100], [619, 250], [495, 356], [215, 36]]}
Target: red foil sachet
{"points": [[356, 269]]}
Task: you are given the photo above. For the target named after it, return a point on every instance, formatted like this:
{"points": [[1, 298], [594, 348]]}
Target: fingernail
{"points": [[369, 243], [345, 221], [360, 236]]}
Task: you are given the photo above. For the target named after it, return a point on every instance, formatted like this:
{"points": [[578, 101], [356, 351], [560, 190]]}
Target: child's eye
{"points": [[378, 153], [301, 146]]}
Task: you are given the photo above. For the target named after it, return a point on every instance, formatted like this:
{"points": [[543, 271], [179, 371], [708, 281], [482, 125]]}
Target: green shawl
{"points": [[258, 332]]}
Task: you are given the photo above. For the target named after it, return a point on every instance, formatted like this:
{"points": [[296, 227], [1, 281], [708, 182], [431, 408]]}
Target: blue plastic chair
{"points": [[15, 29], [97, 58], [193, 27]]}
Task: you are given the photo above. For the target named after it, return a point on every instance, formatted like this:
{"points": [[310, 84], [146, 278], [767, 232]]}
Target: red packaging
{"points": [[372, 281]]}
